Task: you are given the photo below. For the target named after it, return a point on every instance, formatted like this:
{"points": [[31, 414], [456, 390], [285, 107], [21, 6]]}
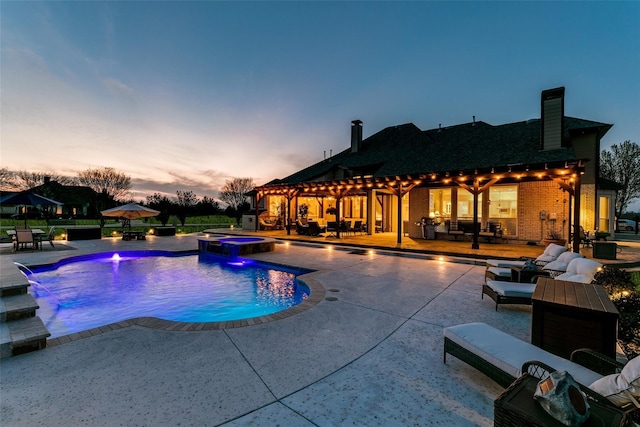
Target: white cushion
{"points": [[508, 353], [619, 388], [554, 250], [578, 278], [583, 266], [551, 252], [500, 271], [613, 387], [580, 270], [631, 374], [512, 289], [562, 262], [504, 263]]}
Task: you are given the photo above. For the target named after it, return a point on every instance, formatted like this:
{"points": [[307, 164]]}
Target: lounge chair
{"points": [[503, 358], [580, 270], [302, 229], [315, 229], [267, 222], [551, 252], [553, 268]]}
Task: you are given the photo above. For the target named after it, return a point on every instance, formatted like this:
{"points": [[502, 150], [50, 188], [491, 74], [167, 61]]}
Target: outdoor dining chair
{"points": [[49, 237], [22, 238]]}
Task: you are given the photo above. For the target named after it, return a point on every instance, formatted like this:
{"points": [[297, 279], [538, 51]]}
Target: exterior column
{"points": [[371, 223], [475, 244], [399, 219], [576, 215]]}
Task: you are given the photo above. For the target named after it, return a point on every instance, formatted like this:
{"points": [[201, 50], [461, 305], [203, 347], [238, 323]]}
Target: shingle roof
{"points": [[407, 150]]}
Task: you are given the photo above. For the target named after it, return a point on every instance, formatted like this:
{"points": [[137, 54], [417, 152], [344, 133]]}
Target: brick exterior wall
{"points": [[534, 197], [588, 206], [418, 207]]}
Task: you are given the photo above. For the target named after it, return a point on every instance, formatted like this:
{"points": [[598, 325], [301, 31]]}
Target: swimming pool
{"points": [[85, 292]]}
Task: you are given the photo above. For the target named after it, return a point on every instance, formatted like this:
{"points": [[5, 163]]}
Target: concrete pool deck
{"points": [[372, 356]]}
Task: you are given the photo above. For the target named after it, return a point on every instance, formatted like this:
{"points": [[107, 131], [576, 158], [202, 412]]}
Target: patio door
{"points": [[383, 213]]}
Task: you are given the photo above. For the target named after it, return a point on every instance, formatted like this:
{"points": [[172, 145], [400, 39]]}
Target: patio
{"points": [[628, 257], [371, 357]]}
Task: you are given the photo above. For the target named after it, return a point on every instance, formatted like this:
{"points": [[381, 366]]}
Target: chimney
{"points": [[47, 179], [356, 136], [552, 119]]}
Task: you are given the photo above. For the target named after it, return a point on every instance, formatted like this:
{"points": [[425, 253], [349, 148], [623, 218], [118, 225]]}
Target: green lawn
{"points": [[114, 226]]}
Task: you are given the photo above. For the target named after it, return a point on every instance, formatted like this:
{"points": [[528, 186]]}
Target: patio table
{"points": [[34, 231]]}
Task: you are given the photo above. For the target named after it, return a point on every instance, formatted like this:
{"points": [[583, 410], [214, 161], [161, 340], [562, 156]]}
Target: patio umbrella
{"points": [[130, 211], [27, 198]]}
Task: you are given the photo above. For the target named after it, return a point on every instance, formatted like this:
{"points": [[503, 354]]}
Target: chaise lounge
{"points": [[504, 358], [579, 270], [555, 267], [551, 252]]}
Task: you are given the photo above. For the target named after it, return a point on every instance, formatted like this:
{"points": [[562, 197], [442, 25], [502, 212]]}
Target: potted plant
{"points": [[331, 210], [554, 236], [303, 210]]}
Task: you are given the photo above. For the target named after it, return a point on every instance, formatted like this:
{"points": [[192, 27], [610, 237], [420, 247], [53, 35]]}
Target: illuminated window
{"points": [[465, 204], [440, 203], [503, 207], [604, 221]]}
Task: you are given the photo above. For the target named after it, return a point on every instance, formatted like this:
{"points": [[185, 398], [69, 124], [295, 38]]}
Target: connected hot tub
{"points": [[233, 246]]}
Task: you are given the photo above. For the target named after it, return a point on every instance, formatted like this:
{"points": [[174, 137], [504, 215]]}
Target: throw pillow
{"points": [[631, 374]]}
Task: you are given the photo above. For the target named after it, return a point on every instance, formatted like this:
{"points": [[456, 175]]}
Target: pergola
{"points": [[567, 174]]}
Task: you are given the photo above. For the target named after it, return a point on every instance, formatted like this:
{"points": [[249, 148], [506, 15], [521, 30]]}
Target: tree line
{"points": [[621, 164], [113, 187]]}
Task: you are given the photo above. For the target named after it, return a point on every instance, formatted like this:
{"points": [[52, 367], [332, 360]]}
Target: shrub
{"points": [[629, 322], [615, 281], [623, 292]]}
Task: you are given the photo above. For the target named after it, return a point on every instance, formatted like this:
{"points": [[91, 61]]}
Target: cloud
{"points": [[117, 87]]}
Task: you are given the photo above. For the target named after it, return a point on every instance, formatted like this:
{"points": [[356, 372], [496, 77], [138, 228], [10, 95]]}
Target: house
{"points": [[534, 178], [78, 201]]}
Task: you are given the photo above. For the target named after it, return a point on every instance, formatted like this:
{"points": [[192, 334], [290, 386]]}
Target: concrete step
{"points": [[13, 281], [16, 307], [22, 336]]}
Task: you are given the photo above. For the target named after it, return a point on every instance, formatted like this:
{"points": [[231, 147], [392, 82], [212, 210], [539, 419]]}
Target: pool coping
{"points": [[317, 294]]}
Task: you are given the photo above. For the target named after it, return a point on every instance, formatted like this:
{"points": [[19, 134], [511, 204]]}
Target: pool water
{"points": [[107, 288]]}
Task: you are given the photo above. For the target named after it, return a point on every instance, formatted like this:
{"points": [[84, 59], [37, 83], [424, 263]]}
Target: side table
{"points": [[516, 407], [520, 275]]}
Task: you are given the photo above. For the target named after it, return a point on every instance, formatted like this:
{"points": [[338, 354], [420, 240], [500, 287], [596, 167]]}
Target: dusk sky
{"points": [[184, 95]]}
